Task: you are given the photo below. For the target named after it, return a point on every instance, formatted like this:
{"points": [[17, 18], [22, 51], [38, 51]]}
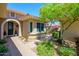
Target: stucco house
{"points": [[71, 35], [15, 23]]}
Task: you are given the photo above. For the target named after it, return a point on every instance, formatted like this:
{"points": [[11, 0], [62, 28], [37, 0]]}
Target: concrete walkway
{"points": [[13, 51], [22, 48]]}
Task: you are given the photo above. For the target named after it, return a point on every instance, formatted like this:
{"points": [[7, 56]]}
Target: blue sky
{"points": [[31, 8]]}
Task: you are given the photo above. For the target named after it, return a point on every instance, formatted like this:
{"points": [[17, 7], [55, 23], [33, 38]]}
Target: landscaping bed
{"points": [[45, 48], [48, 48], [3, 48], [66, 51]]}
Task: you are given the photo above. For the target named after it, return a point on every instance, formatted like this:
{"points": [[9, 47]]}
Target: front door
{"points": [[10, 28]]}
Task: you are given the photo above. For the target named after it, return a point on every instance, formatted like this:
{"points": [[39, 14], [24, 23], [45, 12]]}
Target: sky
{"points": [[30, 8]]}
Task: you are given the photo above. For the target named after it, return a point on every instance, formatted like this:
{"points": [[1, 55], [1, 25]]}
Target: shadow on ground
{"points": [[13, 50]]}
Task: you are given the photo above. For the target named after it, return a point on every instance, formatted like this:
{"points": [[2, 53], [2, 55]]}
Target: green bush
{"points": [[65, 51], [3, 48], [55, 34], [2, 41], [45, 48]]}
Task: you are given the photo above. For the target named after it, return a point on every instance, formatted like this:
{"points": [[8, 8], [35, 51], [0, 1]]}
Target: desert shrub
{"points": [[3, 48], [45, 48], [65, 51]]}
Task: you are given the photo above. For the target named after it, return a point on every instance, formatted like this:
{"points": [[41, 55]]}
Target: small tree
{"points": [[67, 11]]}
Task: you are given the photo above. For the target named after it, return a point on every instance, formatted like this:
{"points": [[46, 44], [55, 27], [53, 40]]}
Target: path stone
{"points": [[26, 49]]}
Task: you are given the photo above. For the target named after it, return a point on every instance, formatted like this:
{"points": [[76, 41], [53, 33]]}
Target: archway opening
{"points": [[10, 27]]}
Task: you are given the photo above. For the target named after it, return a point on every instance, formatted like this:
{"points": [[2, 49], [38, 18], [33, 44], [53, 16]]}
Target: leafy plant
{"points": [[55, 34], [45, 48], [68, 12], [3, 48], [2, 41], [65, 51]]}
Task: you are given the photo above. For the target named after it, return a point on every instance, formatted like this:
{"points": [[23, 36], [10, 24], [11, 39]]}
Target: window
{"points": [[12, 14], [31, 27], [40, 27], [10, 25]]}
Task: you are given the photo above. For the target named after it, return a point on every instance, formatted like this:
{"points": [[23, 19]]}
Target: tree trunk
{"points": [[63, 30]]}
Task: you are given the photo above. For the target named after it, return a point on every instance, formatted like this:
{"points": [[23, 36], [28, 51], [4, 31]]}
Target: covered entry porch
{"points": [[10, 27]]}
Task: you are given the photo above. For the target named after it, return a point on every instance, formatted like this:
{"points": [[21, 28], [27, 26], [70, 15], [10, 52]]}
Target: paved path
{"points": [[13, 51], [18, 47]]}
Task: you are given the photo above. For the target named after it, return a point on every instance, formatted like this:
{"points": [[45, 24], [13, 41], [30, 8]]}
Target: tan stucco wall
{"points": [[26, 30], [24, 24], [72, 32], [3, 10], [34, 25], [1, 20]]}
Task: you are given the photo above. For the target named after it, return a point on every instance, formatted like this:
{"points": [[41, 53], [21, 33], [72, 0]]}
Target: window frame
{"points": [[40, 27], [31, 27]]}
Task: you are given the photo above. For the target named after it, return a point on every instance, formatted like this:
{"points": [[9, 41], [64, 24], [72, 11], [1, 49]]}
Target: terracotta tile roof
{"points": [[24, 16], [16, 12], [30, 17]]}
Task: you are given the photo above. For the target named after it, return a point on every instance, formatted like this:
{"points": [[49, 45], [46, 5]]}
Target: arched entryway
{"points": [[10, 22]]}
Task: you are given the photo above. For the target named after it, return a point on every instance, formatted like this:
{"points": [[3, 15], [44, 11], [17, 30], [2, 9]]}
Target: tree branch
{"points": [[64, 23], [69, 25]]}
